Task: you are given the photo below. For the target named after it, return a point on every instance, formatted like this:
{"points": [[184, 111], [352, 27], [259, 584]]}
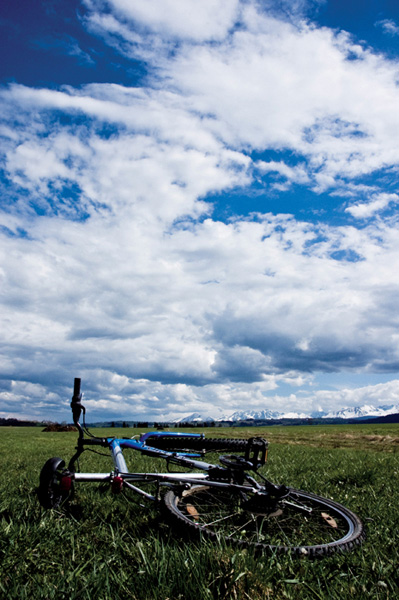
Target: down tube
{"points": [[117, 455]]}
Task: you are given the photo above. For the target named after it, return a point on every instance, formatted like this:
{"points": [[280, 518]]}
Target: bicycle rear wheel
{"points": [[300, 523]]}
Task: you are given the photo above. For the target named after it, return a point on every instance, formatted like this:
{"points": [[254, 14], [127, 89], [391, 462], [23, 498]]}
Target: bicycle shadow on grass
{"points": [[100, 506]]}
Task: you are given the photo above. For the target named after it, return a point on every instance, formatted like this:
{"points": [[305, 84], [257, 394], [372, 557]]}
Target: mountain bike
{"points": [[230, 500]]}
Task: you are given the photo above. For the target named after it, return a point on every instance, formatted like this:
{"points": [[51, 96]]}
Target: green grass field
{"points": [[106, 547]]}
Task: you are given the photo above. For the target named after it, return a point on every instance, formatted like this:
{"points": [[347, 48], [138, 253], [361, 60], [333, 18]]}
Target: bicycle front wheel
{"points": [[300, 523]]}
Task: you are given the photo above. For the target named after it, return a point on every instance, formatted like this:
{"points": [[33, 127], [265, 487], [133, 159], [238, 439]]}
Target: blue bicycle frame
{"points": [[214, 500], [121, 475]]}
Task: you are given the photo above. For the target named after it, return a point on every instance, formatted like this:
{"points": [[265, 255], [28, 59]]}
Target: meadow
{"points": [[106, 547]]}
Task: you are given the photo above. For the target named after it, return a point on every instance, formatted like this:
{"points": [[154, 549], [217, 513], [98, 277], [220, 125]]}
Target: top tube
{"points": [[181, 457], [141, 446]]}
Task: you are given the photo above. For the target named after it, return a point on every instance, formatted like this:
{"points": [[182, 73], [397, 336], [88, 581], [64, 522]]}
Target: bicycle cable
{"points": [[86, 429], [97, 452]]}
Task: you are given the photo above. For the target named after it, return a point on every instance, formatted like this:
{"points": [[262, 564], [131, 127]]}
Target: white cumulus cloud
{"points": [[114, 265]]}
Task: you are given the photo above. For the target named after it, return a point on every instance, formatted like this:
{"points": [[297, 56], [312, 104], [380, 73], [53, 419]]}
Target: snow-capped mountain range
{"points": [[356, 412], [359, 412]]}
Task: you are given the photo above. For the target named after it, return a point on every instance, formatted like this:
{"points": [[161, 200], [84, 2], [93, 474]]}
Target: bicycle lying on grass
{"points": [[231, 501]]}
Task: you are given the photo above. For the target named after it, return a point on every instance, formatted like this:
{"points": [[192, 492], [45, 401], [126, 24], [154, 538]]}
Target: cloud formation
{"points": [[389, 27], [114, 267]]}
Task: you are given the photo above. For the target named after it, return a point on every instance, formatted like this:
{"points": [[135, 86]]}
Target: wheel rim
{"points": [[301, 522], [51, 492]]}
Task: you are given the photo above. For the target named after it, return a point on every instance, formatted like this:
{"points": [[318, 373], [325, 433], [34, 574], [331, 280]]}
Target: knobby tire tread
{"points": [[183, 522], [189, 443]]}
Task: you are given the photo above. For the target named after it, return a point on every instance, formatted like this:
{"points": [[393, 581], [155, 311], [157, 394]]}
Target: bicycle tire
{"points": [[287, 527], [50, 493], [190, 443]]}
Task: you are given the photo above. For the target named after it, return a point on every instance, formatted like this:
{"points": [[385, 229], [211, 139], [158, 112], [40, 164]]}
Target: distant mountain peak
{"points": [[194, 418]]}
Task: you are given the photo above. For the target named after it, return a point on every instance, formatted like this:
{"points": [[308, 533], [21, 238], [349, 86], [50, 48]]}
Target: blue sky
{"points": [[199, 206]]}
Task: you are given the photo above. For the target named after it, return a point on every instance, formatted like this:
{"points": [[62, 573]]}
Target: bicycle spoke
{"points": [[230, 516], [237, 529], [236, 516]]}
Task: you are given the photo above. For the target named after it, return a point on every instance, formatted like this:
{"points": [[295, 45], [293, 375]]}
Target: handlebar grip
{"points": [[76, 405], [76, 390]]}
